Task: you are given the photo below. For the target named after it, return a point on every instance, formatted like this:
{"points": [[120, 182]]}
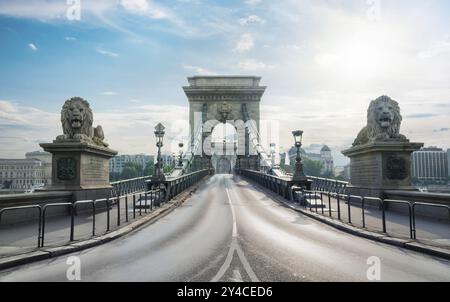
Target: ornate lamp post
{"points": [[299, 175], [174, 160], [180, 160], [159, 134], [224, 147], [273, 147]]}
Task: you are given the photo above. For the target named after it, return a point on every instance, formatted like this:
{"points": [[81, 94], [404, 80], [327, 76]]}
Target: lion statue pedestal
{"points": [[80, 158], [380, 158]]}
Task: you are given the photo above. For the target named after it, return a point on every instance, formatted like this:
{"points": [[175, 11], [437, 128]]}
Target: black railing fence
{"points": [[328, 185], [130, 186], [134, 201], [329, 198]]}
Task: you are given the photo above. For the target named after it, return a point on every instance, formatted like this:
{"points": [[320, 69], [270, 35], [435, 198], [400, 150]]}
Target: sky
{"points": [[322, 61]]}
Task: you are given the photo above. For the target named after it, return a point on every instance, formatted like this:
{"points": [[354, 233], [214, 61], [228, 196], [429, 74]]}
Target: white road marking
{"points": [[237, 277], [234, 246], [233, 213]]}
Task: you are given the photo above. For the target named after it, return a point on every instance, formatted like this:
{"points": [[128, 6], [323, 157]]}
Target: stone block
{"points": [[379, 166]]}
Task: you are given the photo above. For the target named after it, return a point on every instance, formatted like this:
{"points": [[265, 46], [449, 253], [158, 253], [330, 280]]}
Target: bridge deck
{"points": [[231, 230]]}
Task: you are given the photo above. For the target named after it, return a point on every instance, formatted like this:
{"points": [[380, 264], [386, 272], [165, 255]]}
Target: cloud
{"points": [[251, 65], [145, 7], [245, 43], [252, 19], [106, 52], [199, 70], [51, 10], [326, 59], [135, 5], [23, 127], [438, 49], [70, 38], [252, 2], [33, 47], [7, 107], [442, 130], [135, 101], [104, 12], [421, 115], [109, 93]]}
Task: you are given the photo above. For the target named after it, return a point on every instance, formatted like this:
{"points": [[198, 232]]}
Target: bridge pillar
{"points": [[220, 99], [380, 166]]}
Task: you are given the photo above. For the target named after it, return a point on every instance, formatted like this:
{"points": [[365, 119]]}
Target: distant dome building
{"points": [[325, 148], [324, 157], [327, 159]]}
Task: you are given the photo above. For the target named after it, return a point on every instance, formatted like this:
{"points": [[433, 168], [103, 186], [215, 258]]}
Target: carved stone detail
{"points": [[383, 123], [77, 120], [66, 169], [396, 168]]}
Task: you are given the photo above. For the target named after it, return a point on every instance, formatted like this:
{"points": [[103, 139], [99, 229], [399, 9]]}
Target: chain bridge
{"points": [[227, 211]]}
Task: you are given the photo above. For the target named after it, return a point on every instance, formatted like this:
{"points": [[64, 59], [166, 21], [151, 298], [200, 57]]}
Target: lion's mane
{"points": [[373, 127], [373, 131], [88, 119]]}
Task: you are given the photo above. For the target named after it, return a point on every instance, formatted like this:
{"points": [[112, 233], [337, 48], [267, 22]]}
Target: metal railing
{"points": [[142, 202], [328, 185], [324, 190], [130, 186], [277, 185], [362, 201]]}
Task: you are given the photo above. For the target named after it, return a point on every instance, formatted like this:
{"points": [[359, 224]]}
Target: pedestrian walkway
{"points": [[435, 232]]}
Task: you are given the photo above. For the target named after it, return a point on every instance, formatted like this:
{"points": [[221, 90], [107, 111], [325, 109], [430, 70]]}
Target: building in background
{"points": [[324, 156], [327, 160], [168, 159], [347, 171], [25, 174], [46, 159], [117, 163], [430, 166]]}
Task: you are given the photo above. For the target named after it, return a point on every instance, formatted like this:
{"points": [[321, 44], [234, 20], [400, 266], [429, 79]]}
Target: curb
{"points": [[402, 243], [50, 252]]}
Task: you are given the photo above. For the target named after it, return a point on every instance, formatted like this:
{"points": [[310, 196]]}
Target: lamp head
{"points": [[159, 133], [298, 135], [272, 147]]}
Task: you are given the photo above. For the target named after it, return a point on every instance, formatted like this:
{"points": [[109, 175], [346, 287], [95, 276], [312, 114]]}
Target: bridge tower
{"points": [[223, 99]]}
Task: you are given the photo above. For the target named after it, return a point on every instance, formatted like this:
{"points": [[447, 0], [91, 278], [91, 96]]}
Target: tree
{"points": [[114, 176], [312, 167], [167, 169], [340, 178], [132, 170], [327, 174], [149, 169]]}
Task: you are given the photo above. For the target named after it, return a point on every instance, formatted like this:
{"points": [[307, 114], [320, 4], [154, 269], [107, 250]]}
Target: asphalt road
{"points": [[231, 230]]}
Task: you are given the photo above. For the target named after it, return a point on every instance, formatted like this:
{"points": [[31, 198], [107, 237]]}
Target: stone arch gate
{"points": [[223, 99]]}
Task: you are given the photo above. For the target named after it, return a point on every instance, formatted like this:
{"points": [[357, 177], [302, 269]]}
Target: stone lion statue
{"points": [[77, 119], [383, 122]]}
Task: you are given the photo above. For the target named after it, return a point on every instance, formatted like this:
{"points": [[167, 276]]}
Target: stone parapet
{"points": [[379, 166]]}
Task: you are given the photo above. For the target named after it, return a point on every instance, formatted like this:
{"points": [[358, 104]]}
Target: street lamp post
{"points": [[299, 175], [273, 153], [180, 161], [174, 160], [159, 134]]}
